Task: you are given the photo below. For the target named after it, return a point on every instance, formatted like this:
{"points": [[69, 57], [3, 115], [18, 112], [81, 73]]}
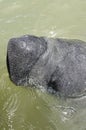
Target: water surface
{"points": [[24, 108]]}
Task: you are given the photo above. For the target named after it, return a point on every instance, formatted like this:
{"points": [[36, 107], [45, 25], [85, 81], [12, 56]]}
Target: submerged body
{"points": [[57, 64]]}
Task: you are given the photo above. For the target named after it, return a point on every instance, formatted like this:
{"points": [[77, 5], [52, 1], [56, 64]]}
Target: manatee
{"points": [[51, 63]]}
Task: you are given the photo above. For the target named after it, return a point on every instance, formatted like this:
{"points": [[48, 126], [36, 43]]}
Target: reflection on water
{"points": [[24, 108]]}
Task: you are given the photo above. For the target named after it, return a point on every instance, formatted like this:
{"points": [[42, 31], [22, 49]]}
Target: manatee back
{"points": [[69, 77]]}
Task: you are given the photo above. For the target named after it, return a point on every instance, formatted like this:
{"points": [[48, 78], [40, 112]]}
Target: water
{"points": [[24, 108]]}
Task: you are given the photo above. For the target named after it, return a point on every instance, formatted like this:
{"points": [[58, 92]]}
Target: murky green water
{"points": [[29, 109]]}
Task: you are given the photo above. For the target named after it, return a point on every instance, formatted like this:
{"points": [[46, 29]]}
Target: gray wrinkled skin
{"points": [[52, 64]]}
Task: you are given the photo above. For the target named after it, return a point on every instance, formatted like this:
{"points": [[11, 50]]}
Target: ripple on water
{"points": [[10, 107], [3, 122]]}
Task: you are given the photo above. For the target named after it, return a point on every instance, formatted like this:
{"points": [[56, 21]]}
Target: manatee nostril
{"points": [[17, 43], [22, 44]]}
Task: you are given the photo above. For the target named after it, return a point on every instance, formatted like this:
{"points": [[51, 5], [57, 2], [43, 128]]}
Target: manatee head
{"points": [[22, 54]]}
